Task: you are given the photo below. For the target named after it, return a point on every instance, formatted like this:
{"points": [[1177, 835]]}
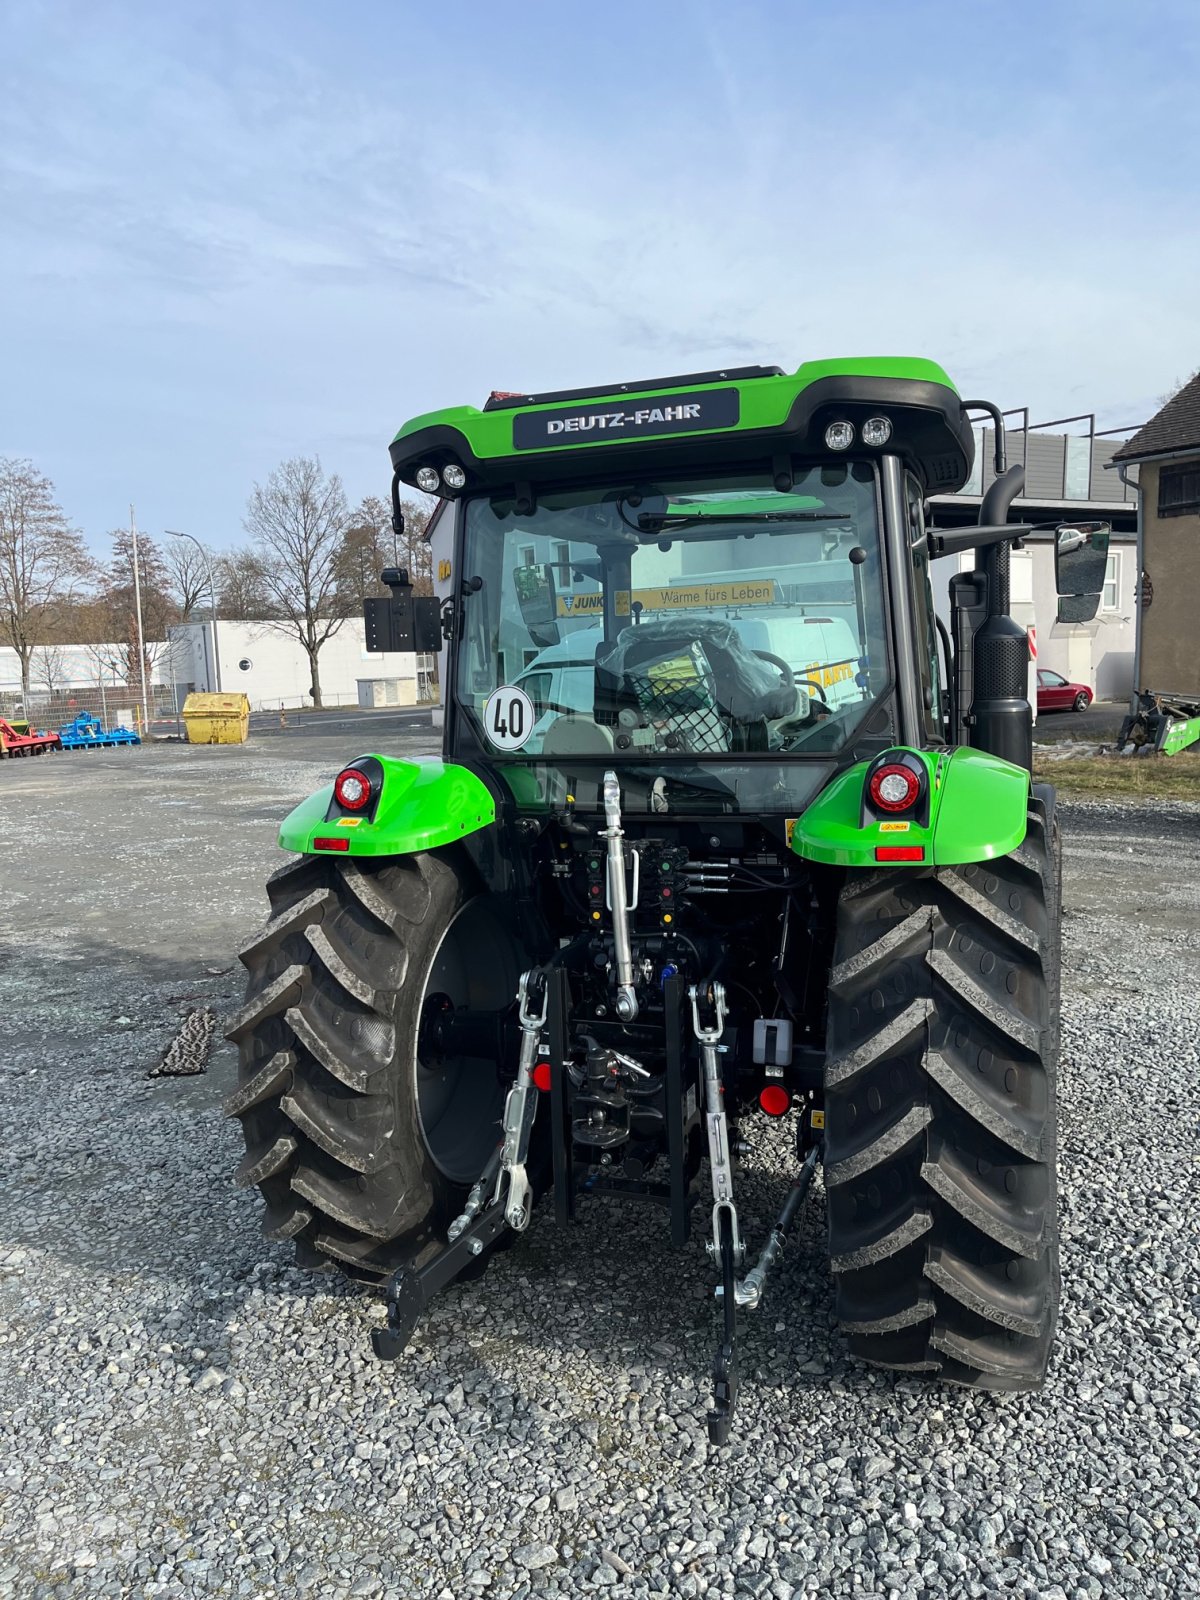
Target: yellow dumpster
{"points": [[217, 718]]}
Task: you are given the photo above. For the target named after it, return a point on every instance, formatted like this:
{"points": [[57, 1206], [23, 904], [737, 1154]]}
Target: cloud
{"points": [[233, 234]]}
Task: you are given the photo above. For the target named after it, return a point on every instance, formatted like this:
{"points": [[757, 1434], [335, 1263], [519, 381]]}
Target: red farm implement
{"points": [[32, 743]]}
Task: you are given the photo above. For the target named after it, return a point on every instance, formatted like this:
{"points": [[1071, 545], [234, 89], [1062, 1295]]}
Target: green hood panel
{"points": [[978, 809], [764, 402], [423, 804], [726, 416]]}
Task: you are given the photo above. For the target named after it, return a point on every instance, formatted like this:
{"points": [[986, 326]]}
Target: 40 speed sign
{"points": [[508, 717]]}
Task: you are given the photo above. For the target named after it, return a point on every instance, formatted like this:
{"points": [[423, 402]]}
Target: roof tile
{"points": [[1175, 427]]}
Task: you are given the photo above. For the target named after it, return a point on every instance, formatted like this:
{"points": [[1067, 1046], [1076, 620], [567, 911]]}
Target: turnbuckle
{"points": [[520, 1106], [716, 1123], [618, 897]]}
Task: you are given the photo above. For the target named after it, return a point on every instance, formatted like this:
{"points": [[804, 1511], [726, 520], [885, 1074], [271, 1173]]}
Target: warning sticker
{"points": [[894, 827]]}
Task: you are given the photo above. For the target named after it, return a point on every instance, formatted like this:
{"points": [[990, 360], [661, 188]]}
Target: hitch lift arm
{"points": [[726, 1246], [410, 1290]]}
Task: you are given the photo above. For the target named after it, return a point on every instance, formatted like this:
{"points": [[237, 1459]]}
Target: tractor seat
{"points": [[576, 736]]}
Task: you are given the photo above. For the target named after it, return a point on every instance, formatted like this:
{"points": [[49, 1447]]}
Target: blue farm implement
{"points": [[88, 733]]}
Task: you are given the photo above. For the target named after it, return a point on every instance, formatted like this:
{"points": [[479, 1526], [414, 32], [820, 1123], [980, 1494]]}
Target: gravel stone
{"points": [[184, 1413], [535, 1556]]}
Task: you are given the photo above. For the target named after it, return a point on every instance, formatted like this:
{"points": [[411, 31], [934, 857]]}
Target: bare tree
{"points": [[369, 545], [296, 521], [42, 558], [241, 593], [188, 567], [49, 666], [120, 595], [1177, 387]]}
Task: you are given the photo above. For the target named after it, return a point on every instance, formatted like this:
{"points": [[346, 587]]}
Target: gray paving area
{"points": [[182, 1413], [1099, 724]]}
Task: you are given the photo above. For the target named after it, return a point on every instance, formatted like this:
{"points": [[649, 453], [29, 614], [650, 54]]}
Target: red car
{"points": [[1056, 694]]}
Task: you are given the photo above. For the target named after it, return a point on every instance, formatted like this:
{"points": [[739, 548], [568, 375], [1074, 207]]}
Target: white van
{"points": [[820, 650]]}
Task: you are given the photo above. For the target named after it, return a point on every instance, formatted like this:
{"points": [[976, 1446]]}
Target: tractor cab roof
{"points": [[695, 421]]}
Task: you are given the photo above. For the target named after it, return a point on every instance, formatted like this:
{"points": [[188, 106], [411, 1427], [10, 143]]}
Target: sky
{"points": [[230, 233]]}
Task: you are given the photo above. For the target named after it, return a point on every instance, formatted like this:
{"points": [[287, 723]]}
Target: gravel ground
{"points": [[182, 1413]]}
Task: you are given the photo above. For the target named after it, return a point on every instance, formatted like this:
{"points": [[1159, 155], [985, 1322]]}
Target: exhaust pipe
{"points": [[1000, 718]]}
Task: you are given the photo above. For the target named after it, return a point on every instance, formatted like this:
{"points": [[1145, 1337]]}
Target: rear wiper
{"points": [[649, 520]]}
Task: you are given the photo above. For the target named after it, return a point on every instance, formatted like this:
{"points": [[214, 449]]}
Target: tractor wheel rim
{"points": [[460, 1101]]}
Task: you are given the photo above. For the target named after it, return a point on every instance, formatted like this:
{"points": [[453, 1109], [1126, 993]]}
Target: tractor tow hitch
{"points": [[411, 1289], [726, 1247], [734, 1292], [492, 1205]]}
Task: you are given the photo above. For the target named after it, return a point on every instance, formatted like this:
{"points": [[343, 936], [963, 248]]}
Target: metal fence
{"points": [[117, 705], [120, 706]]}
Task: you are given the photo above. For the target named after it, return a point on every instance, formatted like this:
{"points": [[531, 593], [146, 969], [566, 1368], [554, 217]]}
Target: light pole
{"points": [[141, 638], [173, 533]]}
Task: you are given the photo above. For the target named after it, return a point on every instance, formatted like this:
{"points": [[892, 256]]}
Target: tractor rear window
{"points": [[705, 619]]}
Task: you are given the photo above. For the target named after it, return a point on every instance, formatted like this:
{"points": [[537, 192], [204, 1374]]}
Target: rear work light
{"points": [[899, 852], [341, 843], [894, 788], [352, 789]]}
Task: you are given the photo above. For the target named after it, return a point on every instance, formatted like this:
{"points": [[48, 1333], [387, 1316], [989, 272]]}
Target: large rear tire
{"points": [[362, 1150], [940, 1104]]}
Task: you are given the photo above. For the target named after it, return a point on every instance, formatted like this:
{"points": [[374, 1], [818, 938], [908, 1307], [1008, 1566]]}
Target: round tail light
{"points": [[894, 788], [352, 789], [775, 1100]]}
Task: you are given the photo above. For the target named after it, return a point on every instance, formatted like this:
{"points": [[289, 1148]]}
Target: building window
{"points": [[1110, 599], [527, 554], [1179, 490]]}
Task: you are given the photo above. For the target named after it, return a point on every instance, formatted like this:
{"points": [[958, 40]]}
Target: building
{"points": [[1166, 456], [271, 666], [1067, 477]]}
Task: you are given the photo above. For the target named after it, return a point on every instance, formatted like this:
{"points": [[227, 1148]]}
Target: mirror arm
{"points": [[955, 540], [397, 509], [997, 417]]}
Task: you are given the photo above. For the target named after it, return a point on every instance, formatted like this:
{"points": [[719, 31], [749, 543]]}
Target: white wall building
{"points": [[1098, 654], [271, 666], [1067, 478]]}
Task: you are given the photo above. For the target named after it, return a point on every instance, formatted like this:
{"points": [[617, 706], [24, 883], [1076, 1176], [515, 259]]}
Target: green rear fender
{"points": [[978, 810], [422, 804]]}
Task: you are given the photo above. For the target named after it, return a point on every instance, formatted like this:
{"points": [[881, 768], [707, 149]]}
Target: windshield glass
{"points": [[707, 618]]}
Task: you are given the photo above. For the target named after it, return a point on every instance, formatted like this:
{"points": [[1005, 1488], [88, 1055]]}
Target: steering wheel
{"points": [[789, 677], [811, 683]]}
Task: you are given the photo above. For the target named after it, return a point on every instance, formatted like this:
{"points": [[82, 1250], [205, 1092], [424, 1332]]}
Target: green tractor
{"points": [[728, 825]]}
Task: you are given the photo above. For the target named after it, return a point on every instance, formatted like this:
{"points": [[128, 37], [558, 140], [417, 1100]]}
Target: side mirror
{"points": [[1080, 563], [534, 588]]}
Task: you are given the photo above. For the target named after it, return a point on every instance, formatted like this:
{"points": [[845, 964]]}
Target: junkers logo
{"points": [[664, 414]]}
